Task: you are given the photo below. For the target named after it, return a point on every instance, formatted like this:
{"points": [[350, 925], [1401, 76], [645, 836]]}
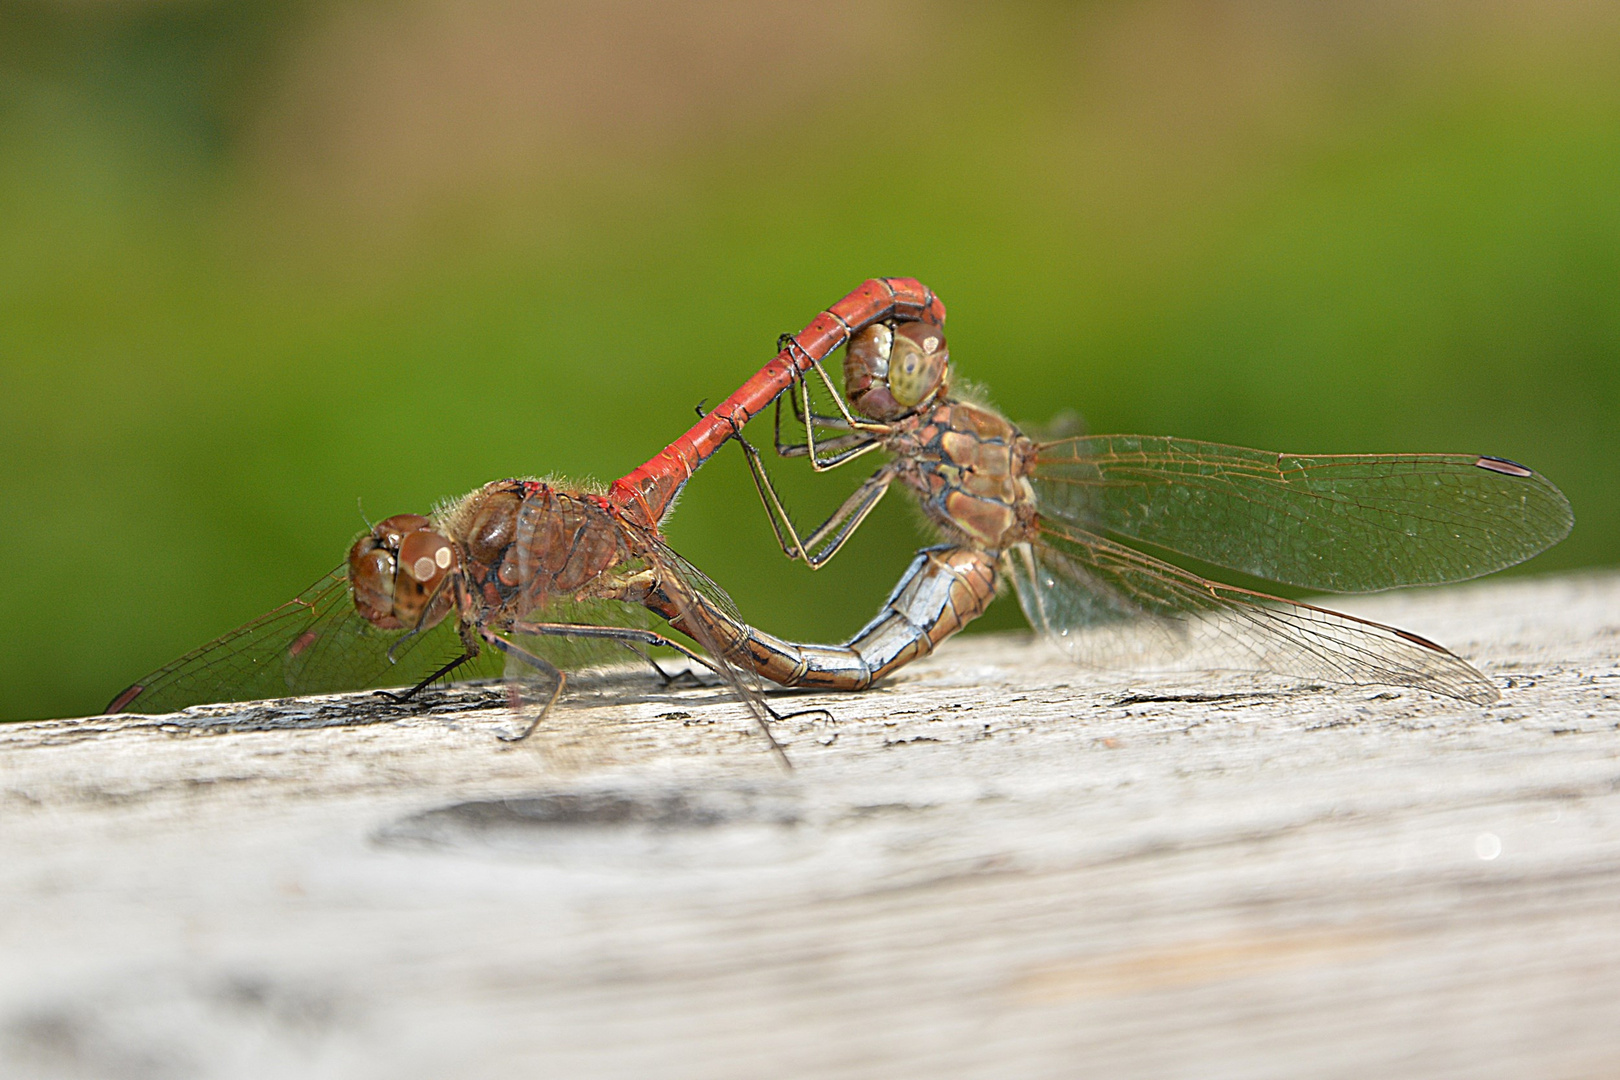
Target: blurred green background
{"points": [[259, 261]]}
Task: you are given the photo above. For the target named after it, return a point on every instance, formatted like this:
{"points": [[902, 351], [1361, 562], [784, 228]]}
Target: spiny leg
{"points": [[539, 663], [861, 502], [819, 710], [652, 637], [836, 423], [625, 634], [846, 420], [850, 514], [470, 649], [817, 462], [666, 679], [465, 657], [844, 448], [776, 512], [856, 507]]}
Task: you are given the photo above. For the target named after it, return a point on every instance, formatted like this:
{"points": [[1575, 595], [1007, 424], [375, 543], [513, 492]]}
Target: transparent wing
{"points": [[574, 561], [683, 587], [1110, 606], [1341, 523], [316, 643], [593, 665], [577, 654], [697, 581], [638, 576]]}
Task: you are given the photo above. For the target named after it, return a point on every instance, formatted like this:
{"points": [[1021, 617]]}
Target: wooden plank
{"points": [[996, 865]]}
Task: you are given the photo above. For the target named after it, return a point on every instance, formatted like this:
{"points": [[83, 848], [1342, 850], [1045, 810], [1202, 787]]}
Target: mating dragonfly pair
{"points": [[532, 577]]}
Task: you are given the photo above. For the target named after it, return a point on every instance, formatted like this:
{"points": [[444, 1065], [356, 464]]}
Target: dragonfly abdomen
{"points": [[943, 590]]}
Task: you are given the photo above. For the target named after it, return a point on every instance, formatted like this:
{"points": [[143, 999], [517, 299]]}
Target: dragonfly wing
{"points": [[574, 653], [316, 643], [1341, 523], [1110, 606], [685, 586], [565, 648]]}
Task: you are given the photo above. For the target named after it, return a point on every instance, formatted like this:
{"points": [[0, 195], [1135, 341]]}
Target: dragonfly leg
{"points": [[859, 504], [465, 657], [847, 518], [846, 421], [803, 414], [775, 512], [652, 637], [838, 443], [850, 515], [626, 634], [666, 678], [539, 663], [847, 418], [843, 448]]}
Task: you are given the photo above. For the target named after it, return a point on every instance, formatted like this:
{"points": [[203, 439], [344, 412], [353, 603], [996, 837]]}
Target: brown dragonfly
{"points": [[1066, 522], [522, 577]]}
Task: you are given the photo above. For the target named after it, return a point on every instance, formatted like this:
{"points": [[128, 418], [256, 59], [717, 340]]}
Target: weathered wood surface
{"points": [[997, 865]]}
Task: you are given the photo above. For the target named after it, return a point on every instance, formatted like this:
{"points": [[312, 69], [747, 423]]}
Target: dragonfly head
{"points": [[890, 371], [396, 572]]}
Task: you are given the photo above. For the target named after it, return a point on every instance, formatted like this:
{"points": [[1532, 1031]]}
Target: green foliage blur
{"points": [[266, 266]]}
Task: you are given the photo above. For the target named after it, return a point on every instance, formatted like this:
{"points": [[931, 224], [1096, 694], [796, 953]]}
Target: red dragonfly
{"points": [[1059, 519], [534, 574]]}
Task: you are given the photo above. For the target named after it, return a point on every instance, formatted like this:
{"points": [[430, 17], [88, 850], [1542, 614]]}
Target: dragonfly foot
{"points": [[825, 714], [686, 679]]}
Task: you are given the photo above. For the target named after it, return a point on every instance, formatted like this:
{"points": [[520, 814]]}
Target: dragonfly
{"points": [[521, 578], [1068, 521]]}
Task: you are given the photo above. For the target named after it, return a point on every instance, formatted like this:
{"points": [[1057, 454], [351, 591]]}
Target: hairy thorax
{"points": [[971, 467], [526, 542]]}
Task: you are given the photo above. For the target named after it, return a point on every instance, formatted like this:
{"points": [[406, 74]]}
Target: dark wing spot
{"points": [[125, 698], [1503, 466]]}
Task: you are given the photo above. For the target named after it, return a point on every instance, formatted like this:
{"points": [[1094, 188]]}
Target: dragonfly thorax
{"points": [[527, 542], [971, 467]]}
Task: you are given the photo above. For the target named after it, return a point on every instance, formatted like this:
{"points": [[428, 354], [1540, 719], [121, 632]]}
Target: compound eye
{"points": [[390, 531], [371, 576], [866, 373], [425, 556], [868, 353], [919, 363]]}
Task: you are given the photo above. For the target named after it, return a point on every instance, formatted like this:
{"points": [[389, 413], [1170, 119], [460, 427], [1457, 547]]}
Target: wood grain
{"points": [[994, 865]]}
